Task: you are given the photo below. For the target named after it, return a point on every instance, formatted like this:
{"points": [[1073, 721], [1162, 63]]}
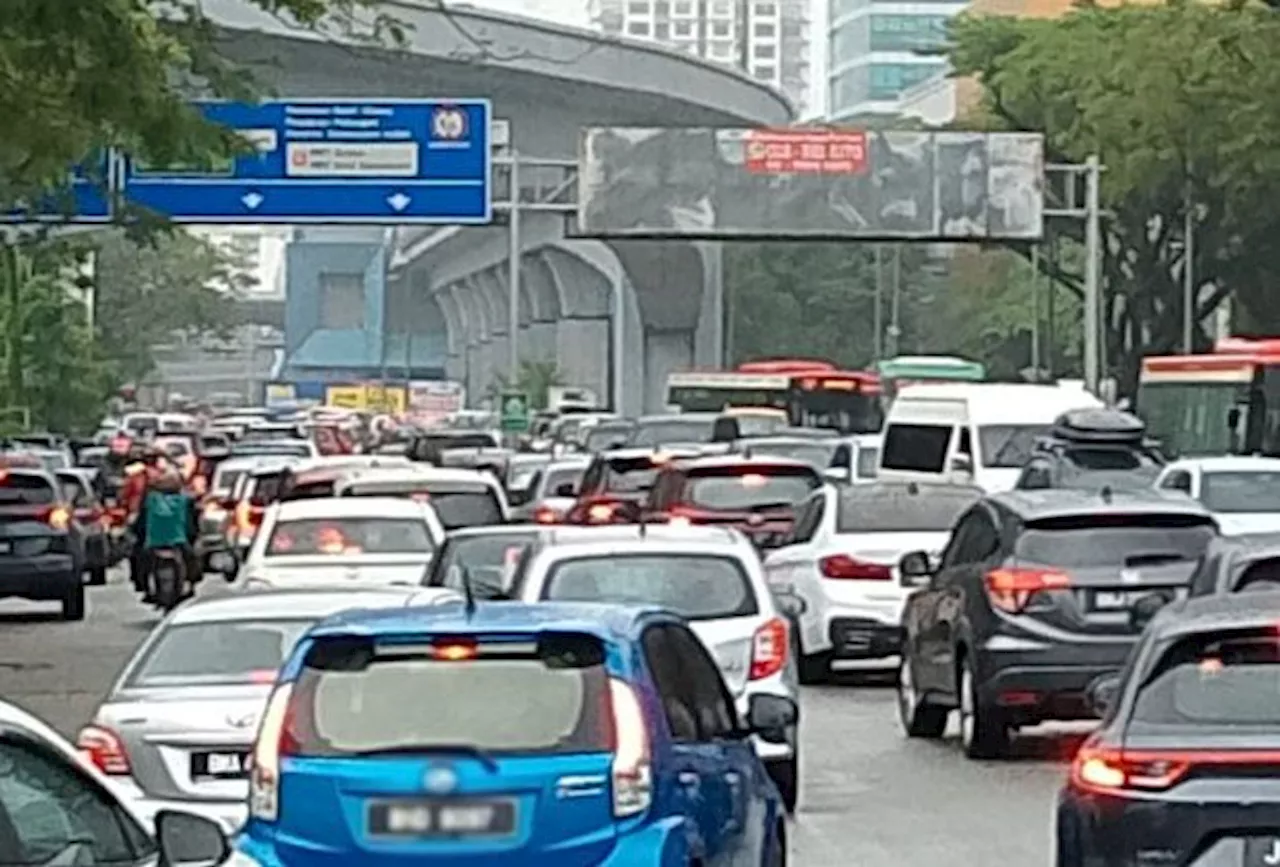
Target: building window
{"points": [[766, 73], [342, 301], [638, 28], [638, 7], [683, 28], [684, 8], [722, 50], [721, 8], [766, 10], [766, 52], [662, 31], [720, 28], [766, 29], [907, 32]]}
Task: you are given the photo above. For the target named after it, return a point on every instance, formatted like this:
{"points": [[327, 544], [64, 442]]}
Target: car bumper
{"points": [[97, 551], [865, 628], [230, 814], [770, 686], [1036, 681], [40, 578]]}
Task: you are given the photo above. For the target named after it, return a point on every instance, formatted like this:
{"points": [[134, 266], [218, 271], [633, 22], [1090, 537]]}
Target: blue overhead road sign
{"points": [[85, 199], [333, 161]]}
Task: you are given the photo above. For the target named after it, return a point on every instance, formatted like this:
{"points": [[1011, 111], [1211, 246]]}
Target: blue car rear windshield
{"points": [[502, 703]]}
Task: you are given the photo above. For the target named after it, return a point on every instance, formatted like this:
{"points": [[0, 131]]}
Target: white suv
{"points": [[711, 576]]}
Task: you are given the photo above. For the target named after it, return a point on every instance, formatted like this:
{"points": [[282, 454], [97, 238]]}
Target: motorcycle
{"points": [[169, 572]]}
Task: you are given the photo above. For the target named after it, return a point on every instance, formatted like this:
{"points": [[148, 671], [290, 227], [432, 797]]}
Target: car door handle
{"points": [[733, 778], [689, 780]]}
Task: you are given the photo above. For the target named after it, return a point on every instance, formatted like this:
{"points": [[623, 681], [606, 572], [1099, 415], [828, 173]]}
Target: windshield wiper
{"points": [[466, 750], [1154, 559], [770, 507]]}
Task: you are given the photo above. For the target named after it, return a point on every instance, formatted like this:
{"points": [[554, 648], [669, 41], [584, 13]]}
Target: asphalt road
{"points": [[869, 797]]}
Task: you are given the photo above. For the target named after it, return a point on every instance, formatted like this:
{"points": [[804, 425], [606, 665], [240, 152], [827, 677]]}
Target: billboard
{"points": [[798, 183]]}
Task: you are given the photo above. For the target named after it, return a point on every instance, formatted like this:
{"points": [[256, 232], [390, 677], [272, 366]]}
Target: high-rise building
{"points": [[769, 39], [880, 48], [572, 13]]}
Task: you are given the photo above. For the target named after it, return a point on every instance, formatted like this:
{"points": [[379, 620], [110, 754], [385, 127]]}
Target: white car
{"points": [[1243, 493], [347, 542], [176, 728], [460, 498], [59, 810], [842, 561], [556, 489], [709, 575]]}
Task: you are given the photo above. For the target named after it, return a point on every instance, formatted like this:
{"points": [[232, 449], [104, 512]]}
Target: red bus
{"points": [[812, 393]]}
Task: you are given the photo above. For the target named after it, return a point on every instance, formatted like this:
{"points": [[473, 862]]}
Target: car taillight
{"points": [[600, 513], [844, 567], [769, 649], [632, 772], [103, 749], [247, 517], [1012, 588], [1112, 770], [214, 511], [546, 515], [275, 739], [58, 518]]}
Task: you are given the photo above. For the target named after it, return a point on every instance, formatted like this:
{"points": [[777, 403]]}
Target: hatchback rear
{"points": [[41, 554]]}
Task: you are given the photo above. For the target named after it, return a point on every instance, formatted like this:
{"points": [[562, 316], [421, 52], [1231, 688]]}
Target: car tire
{"points": [[98, 576], [785, 774], [73, 603], [984, 733], [812, 669], [919, 718]]}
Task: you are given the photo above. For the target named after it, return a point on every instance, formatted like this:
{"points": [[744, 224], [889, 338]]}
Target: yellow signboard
{"points": [[345, 396], [372, 398]]}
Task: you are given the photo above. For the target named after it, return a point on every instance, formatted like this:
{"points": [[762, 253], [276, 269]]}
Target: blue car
{"points": [[561, 734]]}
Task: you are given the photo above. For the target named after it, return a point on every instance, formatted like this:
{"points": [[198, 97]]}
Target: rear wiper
{"points": [[465, 750], [770, 507], [1153, 559]]}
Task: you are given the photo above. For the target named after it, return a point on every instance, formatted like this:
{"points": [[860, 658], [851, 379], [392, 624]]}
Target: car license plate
{"points": [[1116, 600], [1262, 851], [442, 818], [6, 547], [219, 766]]}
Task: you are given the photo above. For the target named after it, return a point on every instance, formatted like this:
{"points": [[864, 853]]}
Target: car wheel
{"points": [[919, 718], [73, 603], [983, 733], [812, 669], [98, 576], [785, 774]]}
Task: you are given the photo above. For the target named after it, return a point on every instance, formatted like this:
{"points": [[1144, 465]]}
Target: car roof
{"points": [[789, 440], [1039, 505], [287, 604], [349, 462], [577, 462], [1225, 611], [651, 533], [732, 461], [725, 543], [406, 473], [351, 507], [607, 622], [246, 463], [1228, 464], [482, 530], [431, 474], [877, 489], [272, 465], [679, 416], [661, 455]]}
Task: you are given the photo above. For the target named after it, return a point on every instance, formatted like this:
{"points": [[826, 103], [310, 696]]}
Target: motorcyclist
{"points": [[140, 476], [167, 519]]}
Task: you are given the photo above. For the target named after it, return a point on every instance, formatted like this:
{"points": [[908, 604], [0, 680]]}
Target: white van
{"points": [[978, 433]]}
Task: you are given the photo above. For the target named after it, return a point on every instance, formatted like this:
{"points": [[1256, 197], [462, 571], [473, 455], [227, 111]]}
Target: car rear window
{"points": [[313, 490], [270, 449], [493, 557], [1237, 492], [1085, 541], [745, 489], [225, 480], [902, 508], [348, 537], [1231, 680], [21, 489], [631, 475], [660, 432], [456, 504], [604, 437], [751, 425], [354, 697], [266, 488], [556, 477], [818, 455], [698, 587], [223, 652]]}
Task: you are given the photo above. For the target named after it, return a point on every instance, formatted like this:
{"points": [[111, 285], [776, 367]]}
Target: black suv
{"points": [[1034, 598], [1091, 449], [41, 545]]}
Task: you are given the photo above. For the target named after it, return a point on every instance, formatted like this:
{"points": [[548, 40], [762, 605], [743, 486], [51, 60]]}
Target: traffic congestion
{"points": [[807, 616]]}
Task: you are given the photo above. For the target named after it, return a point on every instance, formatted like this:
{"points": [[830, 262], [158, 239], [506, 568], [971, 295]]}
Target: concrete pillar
{"points": [[582, 353]]}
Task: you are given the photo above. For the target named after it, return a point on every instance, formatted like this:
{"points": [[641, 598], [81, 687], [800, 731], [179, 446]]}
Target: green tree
{"points": [[148, 291], [1179, 103], [535, 379]]}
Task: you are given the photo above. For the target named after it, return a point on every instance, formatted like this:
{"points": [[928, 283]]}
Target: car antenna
{"points": [[913, 488], [468, 593], [746, 452], [1106, 493]]}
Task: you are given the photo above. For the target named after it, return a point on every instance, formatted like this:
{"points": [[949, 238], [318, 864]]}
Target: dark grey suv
{"points": [[1034, 598]]}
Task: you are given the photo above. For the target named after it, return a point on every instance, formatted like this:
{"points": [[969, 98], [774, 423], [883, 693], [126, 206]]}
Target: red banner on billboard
{"points": [[809, 151]]}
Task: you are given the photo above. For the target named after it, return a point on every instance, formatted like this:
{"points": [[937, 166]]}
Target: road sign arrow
{"points": [[399, 201], [253, 200]]}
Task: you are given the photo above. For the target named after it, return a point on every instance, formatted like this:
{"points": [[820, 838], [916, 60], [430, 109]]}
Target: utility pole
{"points": [[513, 274], [744, 35], [1188, 265], [1035, 308], [878, 318], [1093, 360], [895, 304]]}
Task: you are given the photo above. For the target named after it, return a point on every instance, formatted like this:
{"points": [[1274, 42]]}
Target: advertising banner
{"points": [[431, 401], [798, 183]]}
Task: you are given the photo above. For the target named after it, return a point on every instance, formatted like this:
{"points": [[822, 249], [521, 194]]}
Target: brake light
{"points": [[769, 649], [1011, 589], [600, 512], [102, 748], [842, 567], [274, 740], [454, 651], [247, 517], [546, 515], [632, 771], [1111, 770], [58, 518]]}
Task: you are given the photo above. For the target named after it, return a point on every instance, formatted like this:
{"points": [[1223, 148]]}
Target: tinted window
{"points": [[17, 489], [267, 449], [349, 537], [604, 437], [1009, 446], [1103, 459], [868, 462], [1214, 680], [697, 587], [225, 480], [655, 433], [1113, 540], [1241, 492], [465, 506], [395, 702], [492, 557], [228, 652], [555, 477], [317, 490], [758, 425], [630, 475], [884, 509], [266, 489], [745, 489], [920, 448]]}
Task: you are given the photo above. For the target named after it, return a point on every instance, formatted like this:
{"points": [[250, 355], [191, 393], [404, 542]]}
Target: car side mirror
{"points": [[837, 474], [564, 490], [962, 463], [790, 604], [769, 717], [188, 840], [916, 568], [1102, 693], [1144, 610]]}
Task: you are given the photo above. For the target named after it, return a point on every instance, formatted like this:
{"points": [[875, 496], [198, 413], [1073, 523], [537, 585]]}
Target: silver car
{"points": [[175, 730]]}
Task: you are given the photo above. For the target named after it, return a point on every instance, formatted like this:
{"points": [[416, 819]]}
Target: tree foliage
{"points": [[535, 379], [1179, 102], [148, 291]]}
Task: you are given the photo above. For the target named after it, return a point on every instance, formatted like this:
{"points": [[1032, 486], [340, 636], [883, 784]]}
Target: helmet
{"points": [[169, 482]]}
